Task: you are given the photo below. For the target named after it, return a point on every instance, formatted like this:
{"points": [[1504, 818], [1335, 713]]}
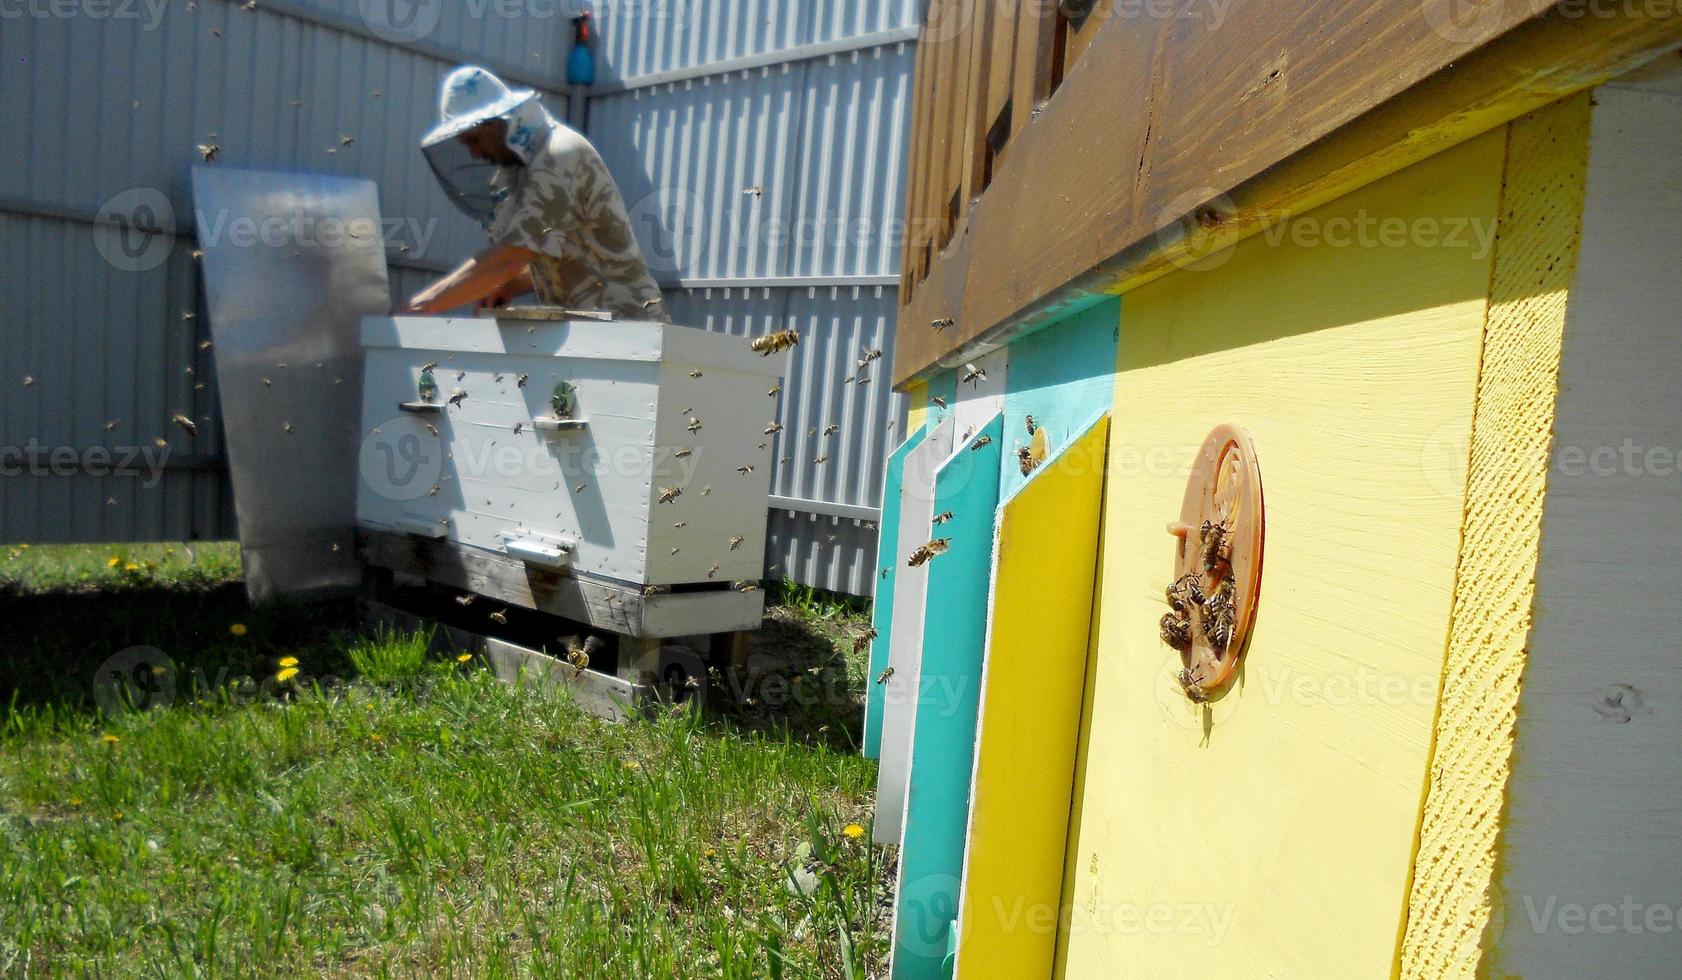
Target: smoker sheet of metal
{"points": [[292, 263]]}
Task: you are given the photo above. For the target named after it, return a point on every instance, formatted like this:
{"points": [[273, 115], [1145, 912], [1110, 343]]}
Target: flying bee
{"points": [[929, 551], [434, 491], [862, 641], [519, 427], [655, 590], [209, 151], [773, 428], [431, 428], [940, 519], [744, 469], [465, 600], [821, 460], [429, 367], [885, 676], [775, 390], [736, 542], [831, 430], [286, 427], [1033, 426], [459, 397], [695, 373], [1026, 461], [1215, 547], [938, 401], [186, 425], [973, 375], [500, 617], [681, 524], [746, 587], [983, 441], [669, 494], [873, 354], [713, 570], [694, 425], [684, 453], [674, 551], [1176, 632], [772, 343], [863, 381], [578, 489], [520, 380], [942, 323], [706, 491]]}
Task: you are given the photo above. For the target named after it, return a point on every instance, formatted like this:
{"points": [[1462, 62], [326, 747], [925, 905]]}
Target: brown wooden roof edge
{"points": [[992, 289]]}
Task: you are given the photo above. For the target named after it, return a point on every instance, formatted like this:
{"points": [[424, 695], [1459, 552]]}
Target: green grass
{"points": [[416, 818]]}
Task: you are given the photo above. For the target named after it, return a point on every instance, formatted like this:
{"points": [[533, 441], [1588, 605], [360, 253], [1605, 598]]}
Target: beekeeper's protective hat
{"points": [[469, 97]]}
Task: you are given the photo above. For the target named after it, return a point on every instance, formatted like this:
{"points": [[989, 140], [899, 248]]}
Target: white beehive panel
{"points": [[489, 475]]}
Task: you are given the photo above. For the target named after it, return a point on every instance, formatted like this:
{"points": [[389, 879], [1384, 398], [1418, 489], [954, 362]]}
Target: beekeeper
{"points": [[555, 218]]}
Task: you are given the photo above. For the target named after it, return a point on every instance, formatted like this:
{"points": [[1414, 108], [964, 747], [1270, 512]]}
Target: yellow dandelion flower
{"points": [[633, 765], [286, 674], [238, 629], [75, 801], [286, 661], [113, 562], [710, 852], [853, 831], [109, 739], [464, 658], [375, 737], [131, 567], [24, 546]]}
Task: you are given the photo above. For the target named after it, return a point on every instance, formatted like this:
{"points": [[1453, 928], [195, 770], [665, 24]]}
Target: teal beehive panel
{"points": [[882, 610], [1061, 376], [948, 693]]}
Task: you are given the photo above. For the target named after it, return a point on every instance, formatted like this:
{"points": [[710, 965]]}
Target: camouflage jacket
{"points": [[565, 207]]}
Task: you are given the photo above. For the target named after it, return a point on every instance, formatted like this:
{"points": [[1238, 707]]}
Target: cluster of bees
{"points": [[1218, 608]]}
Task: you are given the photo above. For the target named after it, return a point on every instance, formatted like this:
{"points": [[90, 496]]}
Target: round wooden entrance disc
{"points": [[1217, 563]]}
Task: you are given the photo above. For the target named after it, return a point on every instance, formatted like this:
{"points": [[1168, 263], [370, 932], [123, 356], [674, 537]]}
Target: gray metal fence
{"points": [[759, 142]]}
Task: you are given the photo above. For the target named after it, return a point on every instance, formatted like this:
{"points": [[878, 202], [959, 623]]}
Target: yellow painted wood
{"points": [[1035, 673], [1272, 833], [918, 416], [1535, 262]]}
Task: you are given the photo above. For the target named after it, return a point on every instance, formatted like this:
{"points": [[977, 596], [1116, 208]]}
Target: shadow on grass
{"points": [[59, 648]]}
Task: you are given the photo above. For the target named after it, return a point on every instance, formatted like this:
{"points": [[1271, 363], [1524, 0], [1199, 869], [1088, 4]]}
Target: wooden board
{"points": [[905, 647], [1046, 562], [1507, 462], [882, 608], [602, 605], [603, 695], [1061, 376], [1272, 832], [1283, 108], [1593, 822], [943, 716]]}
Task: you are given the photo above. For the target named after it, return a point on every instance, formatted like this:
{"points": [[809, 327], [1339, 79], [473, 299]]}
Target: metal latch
{"points": [[534, 549]]}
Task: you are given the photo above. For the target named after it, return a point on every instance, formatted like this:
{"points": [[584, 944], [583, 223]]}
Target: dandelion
{"points": [[113, 562], [109, 739], [284, 661], [286, 674], [131, 568], [24, 546], [633, 765], [853, 831], [375, 737], [238, 629], [75, 801], [710, 852], [464, 658]]}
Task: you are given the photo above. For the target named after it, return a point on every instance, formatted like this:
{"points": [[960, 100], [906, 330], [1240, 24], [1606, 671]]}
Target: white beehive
{"points": [[485, 461]]}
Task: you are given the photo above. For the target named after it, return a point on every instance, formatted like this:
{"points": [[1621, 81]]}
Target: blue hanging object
{"points": [[581, 64]]}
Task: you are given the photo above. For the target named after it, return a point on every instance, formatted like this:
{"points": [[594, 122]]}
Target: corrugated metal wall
{"points": [[760, 146], [761, 149], [113, 99]]}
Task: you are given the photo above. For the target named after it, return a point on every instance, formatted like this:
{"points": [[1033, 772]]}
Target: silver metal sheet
{"points": [[292, 263]]}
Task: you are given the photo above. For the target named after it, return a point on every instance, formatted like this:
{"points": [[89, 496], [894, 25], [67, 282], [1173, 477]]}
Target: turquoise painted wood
{"points": [[1062, 375], [945, 387], [882, 615], [948, 695]]}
